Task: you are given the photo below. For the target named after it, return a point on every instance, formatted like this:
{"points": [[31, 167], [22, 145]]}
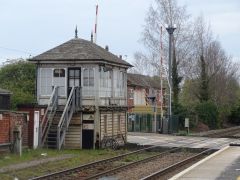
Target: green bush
{"points": [[207, 113], [234, 117], [180, 112], [19, 78]]}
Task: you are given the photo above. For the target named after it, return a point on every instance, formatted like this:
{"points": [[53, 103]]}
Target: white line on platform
{"points": [[198, 163]]}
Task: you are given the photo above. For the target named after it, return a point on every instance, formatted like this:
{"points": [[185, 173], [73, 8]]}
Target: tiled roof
{"points": [[4, 91], [143, 81], [79, 49]]}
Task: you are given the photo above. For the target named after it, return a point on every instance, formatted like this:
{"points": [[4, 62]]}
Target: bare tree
{"points": [[194, 44], [213, 76], [160, 13]]}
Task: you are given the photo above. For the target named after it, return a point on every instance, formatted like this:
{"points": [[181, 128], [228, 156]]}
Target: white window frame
{"points": [[88, 78], [42, 77], [131, 94]]}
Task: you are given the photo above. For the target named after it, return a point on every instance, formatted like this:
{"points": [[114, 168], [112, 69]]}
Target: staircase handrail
{"points": [[71, 106], [49, 113]]}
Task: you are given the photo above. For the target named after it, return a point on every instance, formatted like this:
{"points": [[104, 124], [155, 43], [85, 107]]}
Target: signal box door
{"points": [[88, 131], [74, 78]]}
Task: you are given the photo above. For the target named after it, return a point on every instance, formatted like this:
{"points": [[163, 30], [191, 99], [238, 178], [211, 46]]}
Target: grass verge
{"points": [[79, 157]]}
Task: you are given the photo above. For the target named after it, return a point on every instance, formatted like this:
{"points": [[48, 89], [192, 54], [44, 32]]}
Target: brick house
{"points": [[144, 103]]}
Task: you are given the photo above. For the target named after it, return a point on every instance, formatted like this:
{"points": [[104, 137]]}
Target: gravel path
{"points": [[33, 163]]}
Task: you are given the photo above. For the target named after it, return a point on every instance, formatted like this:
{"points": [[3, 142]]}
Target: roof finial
{"points": [[92, 37], [76, 32]]}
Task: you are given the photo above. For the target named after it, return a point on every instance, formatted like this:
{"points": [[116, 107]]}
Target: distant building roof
{"points": [[79, 49], [143, 81], [4, 91]]}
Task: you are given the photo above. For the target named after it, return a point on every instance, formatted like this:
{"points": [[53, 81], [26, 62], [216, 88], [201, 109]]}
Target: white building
{"points": [[85, 88]]}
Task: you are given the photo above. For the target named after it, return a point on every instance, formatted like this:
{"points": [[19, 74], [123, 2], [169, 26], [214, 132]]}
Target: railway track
{"points": [[111, 165], [171, 168], [114, 165], [92, 164], [225, 133], [167, 172], [121, 169]]}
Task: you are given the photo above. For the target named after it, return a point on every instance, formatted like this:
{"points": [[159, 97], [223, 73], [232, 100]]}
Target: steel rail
{"points": [[115, 170], [81, 167], [226, 134], [121, 168], [84, 166], [223, 132], [178, 164]]}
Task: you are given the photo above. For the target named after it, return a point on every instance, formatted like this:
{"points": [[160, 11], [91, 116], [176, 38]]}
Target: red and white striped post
{"points": [[95, 28]]}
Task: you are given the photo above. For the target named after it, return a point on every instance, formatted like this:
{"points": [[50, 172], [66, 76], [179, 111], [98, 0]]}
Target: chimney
{"points": [[120, 56], [92, 37], [106, 48]]}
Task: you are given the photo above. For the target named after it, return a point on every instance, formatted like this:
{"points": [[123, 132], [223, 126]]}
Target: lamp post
{"points": [[170, 29]]}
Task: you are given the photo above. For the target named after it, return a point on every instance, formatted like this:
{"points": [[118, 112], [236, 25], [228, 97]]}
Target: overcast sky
{"points": [[30, 27]]}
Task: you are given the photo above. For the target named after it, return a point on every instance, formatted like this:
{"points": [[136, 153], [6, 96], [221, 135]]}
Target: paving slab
{"points": [[222, 165]]}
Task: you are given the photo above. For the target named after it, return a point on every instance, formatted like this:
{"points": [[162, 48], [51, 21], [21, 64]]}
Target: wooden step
{"points": [[74, 128], [72, 146], [76, 119], [73, 137]]}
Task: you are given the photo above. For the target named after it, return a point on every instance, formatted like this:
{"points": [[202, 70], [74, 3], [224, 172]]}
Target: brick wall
{"points": [[7, 124], [130, 101], [30, 109], [5, 129]]}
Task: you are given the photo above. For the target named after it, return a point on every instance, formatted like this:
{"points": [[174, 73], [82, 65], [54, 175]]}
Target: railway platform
{"points": [[223, 164]]}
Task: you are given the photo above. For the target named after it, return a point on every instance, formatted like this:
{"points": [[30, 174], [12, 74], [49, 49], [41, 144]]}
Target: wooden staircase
{"points": [[58, 119], [73, 135]]}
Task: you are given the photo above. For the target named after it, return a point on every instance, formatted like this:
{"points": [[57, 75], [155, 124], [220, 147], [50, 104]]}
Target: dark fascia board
{"points": [[141, 86], [5, 92], [31, 105], [136, 85], [80, 61], [16, 112]]}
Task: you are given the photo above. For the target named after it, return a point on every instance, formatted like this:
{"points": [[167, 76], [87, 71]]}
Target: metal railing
{"points": [[48, 116], [72, 106]]}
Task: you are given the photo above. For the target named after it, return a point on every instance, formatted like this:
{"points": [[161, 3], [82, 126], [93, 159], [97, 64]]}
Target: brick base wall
{"points": [[7, 124], [5, 129], [30, 109]]}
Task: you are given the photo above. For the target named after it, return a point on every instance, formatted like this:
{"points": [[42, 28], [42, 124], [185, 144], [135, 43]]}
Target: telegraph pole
{"points": [[161, 81], [170, 29]]}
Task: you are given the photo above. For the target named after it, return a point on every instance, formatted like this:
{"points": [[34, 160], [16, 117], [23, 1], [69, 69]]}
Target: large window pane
{"points": [[46, 81], [85, 77], [91, 77], [71, 73], [77, 73]]}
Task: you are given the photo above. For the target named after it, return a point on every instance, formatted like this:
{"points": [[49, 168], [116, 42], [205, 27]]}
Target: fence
{"points": [[142, 122]]}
